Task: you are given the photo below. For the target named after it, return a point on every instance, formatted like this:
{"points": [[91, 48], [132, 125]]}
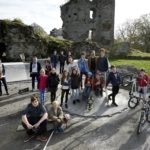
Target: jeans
{"points": [[86, 92], [63, 92], [75, 94], [142, 91], [115, 90], [34, 76], [3, 80], [54, 65], [99, 90], [53, 94], [42, 96], [62, 67]]}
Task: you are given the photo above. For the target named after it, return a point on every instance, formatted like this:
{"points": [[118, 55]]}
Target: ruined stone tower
{"points": [[89, 19]]}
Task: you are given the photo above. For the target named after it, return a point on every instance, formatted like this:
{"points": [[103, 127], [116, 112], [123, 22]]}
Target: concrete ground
{"points": [[103, 128]]}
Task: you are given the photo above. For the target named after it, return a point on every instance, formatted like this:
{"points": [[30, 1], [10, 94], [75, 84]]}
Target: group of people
{"points": [[80, 76], [86, 76]]}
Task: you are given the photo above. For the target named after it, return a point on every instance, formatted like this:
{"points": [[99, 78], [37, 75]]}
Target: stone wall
{"points": [[89, 20], [16, 39]]}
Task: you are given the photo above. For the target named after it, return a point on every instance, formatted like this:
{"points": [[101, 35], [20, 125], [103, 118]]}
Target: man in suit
{"points": [[35, 68]]}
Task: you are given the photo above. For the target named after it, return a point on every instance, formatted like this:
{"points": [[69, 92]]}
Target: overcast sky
{"points": [[46, 13]]}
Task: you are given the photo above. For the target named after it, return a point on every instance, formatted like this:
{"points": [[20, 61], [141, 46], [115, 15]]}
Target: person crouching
{"points": [[55, 116]]}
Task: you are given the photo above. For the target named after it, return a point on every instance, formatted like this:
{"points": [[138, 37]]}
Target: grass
{"points": [[135, 52], [136, 63]]}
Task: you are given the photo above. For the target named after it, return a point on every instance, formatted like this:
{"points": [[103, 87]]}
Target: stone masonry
{"points": [[89, 20]]}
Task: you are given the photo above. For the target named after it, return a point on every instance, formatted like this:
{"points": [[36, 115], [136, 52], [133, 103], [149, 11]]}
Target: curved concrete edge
{"points": [[100, 109]]}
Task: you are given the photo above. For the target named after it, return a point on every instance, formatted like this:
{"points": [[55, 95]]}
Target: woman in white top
{"points": [[72, 65]]}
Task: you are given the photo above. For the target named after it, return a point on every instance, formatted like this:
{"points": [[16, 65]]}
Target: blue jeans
{"points": [[42, 96], [54, 65], [86, 92]]}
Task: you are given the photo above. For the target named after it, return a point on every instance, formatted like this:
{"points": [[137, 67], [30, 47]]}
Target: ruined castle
{"points": [[89, 20]]}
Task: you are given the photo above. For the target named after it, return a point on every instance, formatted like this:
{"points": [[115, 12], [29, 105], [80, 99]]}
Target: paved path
{"points": [[114, 128]]}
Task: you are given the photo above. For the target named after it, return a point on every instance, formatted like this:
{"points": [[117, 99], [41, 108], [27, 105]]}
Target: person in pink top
{"points": [[42, 85]]}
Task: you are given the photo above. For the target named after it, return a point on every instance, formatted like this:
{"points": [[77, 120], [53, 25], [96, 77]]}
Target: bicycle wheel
{"points": [[142, 121], [126, 80], [133, 102]]}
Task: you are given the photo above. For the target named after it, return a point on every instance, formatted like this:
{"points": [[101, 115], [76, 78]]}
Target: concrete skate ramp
{"points": [[17, 71], [100, 109]]}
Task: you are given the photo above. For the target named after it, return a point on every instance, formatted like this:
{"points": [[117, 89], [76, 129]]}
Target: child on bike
{"points": [[142, 81]]}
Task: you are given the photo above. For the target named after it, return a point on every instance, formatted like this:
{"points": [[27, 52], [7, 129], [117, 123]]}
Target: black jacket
{"points": [[75, 81], [102, 64], [62, 59], [114, 78], [53, 81]]}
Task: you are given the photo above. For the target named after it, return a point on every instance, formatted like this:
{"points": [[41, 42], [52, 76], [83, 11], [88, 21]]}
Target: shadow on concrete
{"points": [[15, 99], [138, 140], [102, 133]]}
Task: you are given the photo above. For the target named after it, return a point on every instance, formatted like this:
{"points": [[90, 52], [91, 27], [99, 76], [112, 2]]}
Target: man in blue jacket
{"points": [[102, 61], [83, 67], [115, 80]]}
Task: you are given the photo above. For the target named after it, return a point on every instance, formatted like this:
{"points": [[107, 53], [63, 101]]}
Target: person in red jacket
{"points": [[98, 84], [142, 81], [42, 85]]}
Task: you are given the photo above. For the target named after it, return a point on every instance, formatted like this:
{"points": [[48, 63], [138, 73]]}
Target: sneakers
{"points": [[115, 104], [66, 105], [41, 138], [61, 105], [78, 100], [74, 101], [109, 98], [60, 130]]}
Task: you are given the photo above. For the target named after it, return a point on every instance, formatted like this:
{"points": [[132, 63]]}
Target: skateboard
{"points": [[90, 103], [28, 139], [21, 91]]}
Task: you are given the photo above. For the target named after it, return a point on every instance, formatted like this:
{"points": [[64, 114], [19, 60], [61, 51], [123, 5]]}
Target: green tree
{"points": [[136, 32]]}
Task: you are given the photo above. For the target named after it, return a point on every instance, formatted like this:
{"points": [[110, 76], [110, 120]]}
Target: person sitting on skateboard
{"points": [[34, 119]]}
